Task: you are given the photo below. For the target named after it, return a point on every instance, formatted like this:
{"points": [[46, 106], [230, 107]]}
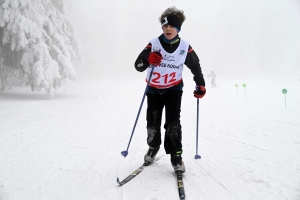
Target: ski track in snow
{"points": [[68, 146]]}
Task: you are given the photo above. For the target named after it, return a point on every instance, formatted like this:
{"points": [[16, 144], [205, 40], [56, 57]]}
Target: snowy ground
{"points": [[67, 147]]}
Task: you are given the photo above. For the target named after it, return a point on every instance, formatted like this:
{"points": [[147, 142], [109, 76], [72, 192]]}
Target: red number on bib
{"points": [[166, 77], [173, 74], [155, 80]]}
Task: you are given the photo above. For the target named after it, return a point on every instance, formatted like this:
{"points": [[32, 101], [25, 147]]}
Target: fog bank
{"points": [[236, 39]]}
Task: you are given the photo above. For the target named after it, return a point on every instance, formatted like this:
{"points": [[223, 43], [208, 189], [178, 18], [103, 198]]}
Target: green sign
{"points": [[284, 91], [244, 85]]}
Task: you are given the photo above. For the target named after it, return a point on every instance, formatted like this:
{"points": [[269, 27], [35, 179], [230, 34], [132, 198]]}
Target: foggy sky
{"points": [[235, 38]]}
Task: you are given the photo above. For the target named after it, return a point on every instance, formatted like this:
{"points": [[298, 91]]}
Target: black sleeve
{"points": [[193, 63], [141, 63]]}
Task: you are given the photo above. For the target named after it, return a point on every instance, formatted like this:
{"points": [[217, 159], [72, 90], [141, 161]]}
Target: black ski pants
{"points": [[171, 101]]}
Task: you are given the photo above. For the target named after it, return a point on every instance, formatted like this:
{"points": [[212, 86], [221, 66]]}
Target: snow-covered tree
{"points": [[38, 43]]}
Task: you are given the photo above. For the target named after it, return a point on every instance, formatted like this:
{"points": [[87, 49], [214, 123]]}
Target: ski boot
{"points": [[177, 163], [150, 155]]}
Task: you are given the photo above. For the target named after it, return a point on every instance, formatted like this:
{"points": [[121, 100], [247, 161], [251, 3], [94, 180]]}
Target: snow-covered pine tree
{"points": [[38, 43]]}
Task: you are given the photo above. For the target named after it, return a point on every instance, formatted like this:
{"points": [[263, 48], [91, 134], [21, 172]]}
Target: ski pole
{"points": [[197, 156], [125, 153]]}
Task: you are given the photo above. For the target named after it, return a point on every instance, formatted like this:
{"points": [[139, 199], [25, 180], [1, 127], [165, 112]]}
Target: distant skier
{"points": [[168, 53], [212, 75]]}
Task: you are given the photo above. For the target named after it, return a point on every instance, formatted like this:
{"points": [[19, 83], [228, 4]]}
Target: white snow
{"points": [[69, 146]]}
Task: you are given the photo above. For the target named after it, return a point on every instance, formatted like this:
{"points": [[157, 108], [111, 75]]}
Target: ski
{"points": [[135, 173], [180, 185]]}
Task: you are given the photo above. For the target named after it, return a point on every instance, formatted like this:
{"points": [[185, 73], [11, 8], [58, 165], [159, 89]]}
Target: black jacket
{"points": [[192, 60]]}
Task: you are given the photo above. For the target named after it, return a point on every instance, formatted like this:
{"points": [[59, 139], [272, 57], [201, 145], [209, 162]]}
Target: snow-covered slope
{"points": [[68, 147]]}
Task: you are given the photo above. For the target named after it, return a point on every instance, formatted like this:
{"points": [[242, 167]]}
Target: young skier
{"points": [[213, 78], [167, 54]]}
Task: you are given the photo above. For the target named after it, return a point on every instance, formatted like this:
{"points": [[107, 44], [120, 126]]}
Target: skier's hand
{"points": [[199, 91], [154, 58]]}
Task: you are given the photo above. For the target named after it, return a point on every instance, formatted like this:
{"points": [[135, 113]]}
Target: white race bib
{"points": [[169, 72]]}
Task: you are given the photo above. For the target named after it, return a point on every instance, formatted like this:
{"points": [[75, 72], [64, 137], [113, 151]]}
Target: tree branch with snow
{"points": [[38, 43]]}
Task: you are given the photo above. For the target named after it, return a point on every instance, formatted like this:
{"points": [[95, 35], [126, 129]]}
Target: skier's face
{"points": [[169, 31]]}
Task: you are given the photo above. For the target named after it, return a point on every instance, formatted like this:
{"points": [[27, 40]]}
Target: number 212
{"points": [[166, 77]]}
